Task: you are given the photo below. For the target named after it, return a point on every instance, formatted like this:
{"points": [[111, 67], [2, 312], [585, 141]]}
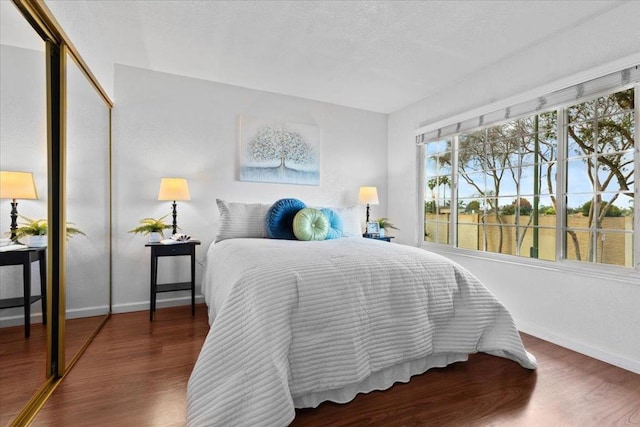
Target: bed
{"points": [[297, 323]]}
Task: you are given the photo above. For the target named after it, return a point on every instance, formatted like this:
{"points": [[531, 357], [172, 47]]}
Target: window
{"points": [[437, 204], [557, 184], [600, 179]]}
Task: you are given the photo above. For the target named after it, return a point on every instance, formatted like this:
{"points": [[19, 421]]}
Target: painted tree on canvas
{"points": [[280, 144]]}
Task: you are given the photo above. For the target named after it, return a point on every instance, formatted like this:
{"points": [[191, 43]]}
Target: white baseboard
{"points": [[596, 353], [160, 303], [18, 319], [77, 313]]}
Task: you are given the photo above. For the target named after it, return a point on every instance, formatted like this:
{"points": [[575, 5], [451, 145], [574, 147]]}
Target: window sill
{"points": [[625, 275]]}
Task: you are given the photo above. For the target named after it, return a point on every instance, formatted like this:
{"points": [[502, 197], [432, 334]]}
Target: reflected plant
{"points": [[38, 227]]}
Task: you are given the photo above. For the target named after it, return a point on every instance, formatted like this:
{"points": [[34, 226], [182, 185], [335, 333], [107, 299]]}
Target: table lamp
{"points": [[368, 196], [174, 189], [14, 186]]}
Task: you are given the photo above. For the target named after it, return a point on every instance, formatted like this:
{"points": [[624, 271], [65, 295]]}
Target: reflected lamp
{"points": [[14, 186], [368, 196], [174, 189]]}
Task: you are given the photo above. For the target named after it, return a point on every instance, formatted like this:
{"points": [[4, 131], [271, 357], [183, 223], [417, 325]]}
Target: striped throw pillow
{"points": [[241, 220]]}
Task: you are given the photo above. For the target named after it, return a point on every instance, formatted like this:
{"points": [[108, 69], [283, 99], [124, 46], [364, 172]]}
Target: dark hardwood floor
{"points": [[22, 367], [23, 360], [135, 374]]}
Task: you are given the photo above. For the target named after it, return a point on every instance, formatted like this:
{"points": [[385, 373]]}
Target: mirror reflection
{"points": [[87, 186], [23, 148]]}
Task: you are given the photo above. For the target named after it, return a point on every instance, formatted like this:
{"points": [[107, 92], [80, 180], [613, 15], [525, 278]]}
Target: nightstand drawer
{"points": [[173, 250]]}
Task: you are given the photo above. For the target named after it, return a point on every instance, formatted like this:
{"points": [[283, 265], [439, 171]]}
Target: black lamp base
{"points": [[14, 220], [367, 212], [175, 217]]}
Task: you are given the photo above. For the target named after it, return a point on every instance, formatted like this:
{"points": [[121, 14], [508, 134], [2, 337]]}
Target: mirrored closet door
{"points": [[23, 148], [87, 283]]}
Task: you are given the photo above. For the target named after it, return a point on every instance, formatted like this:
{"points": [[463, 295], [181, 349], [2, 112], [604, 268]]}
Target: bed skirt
{"points": [[380, 380]]}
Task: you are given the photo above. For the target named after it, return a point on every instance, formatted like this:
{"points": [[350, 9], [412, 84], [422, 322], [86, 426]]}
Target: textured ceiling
{"points": [[373, 55]]}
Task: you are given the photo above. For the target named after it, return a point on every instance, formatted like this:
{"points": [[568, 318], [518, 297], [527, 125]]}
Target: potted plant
{"points": [[35, 231], [384, 225], [153, 227]]}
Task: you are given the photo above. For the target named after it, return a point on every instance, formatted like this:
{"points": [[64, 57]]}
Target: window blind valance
{"points": [[570, 95]]}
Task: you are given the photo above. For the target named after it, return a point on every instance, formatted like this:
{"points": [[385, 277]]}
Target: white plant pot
{"points": [[155, 237], [381, 234], [39, 241]]}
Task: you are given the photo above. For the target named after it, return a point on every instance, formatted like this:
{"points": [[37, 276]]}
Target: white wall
{"points": [[598, 317], [167, 125]]}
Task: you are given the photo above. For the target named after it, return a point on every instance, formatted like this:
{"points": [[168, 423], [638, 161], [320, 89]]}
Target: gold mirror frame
{"points": [[58, 46]]}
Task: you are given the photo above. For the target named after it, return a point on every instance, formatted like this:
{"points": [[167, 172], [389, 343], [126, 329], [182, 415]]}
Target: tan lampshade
{"points": [[368, 196], [17, 185], [174, 189]]}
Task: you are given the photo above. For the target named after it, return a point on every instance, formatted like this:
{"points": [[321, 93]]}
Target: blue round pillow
{"points": [[279, 219], [310, 224], [335, 223]]}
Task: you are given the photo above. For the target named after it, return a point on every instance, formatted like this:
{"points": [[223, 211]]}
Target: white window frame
{"points": [[636, 179], [627, 274]]}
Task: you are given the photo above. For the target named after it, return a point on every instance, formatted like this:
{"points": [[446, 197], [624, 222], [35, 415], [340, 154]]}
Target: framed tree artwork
{"points": [[280, 152]]}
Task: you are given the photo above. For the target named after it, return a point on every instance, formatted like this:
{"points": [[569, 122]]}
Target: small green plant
{"points": [[384, 223], [151, 225], [38, 227]]}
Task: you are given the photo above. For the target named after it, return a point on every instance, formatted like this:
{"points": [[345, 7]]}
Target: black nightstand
{"points": [[177, 249], [377, 237], [25, 257]]}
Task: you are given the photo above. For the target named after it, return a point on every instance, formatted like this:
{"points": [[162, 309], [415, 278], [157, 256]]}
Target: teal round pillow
{"points": [[279, 218], [335, 223], [310, 224]]}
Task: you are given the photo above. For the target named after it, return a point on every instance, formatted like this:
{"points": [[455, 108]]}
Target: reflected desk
{"points": [[25, 257]]}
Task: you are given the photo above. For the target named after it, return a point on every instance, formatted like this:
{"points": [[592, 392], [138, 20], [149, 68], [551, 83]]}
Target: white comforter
{"points": [[292, 319]]}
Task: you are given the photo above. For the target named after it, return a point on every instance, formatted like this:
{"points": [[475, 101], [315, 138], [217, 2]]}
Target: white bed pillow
{"points": [[241, 220], [352, 221]]}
